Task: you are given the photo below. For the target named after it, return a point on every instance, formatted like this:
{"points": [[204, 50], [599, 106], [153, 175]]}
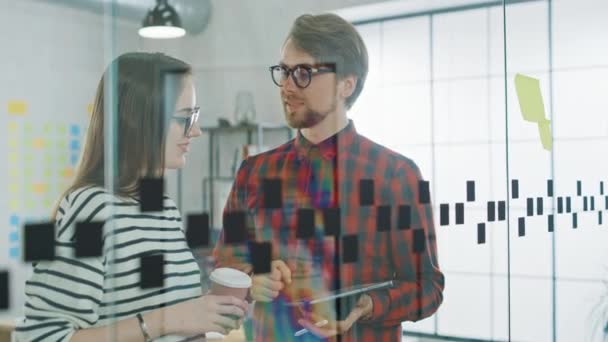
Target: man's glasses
{"points": [[187, 121], [301, 74]]}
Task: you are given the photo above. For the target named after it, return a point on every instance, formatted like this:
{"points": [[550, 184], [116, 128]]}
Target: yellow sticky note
{"points": [[90, 108], [12, 127], [68, 172], [13, 173], [14, 204], [38, 143], [13, 143], [40, 188], [544, 129], [13, 188], [16, 107], [13, 157], [29, 204]]}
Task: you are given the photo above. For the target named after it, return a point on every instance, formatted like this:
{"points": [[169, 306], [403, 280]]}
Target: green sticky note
{"points": [[27, 172], [62, 159], [62, 129], [544, 129], [532, 107], [62, 144], [48, 128]]}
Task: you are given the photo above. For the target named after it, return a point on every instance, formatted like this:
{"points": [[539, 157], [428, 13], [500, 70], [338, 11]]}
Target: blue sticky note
{"points": [[14, 253], [74, 158], [75, 130], [14, 220], [75, 145], [14, 236]]}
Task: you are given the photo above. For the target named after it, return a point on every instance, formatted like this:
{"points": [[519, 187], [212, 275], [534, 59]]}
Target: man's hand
{"points": [[363, 310], [266, 287]]}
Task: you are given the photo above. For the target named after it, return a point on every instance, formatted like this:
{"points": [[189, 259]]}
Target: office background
{"points": [[441, 90]]}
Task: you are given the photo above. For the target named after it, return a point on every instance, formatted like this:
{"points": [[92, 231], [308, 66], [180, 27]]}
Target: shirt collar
{"points": [[327, 148]]}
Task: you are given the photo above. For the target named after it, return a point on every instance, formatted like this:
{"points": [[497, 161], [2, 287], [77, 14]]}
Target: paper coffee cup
{"points": [[230, 282]]}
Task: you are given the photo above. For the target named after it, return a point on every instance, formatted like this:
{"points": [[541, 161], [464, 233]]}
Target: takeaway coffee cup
{"points": [[230, 282]]}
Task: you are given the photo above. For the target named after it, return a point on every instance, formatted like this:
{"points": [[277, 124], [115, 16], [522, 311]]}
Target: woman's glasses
{"points": [[187, 121]]}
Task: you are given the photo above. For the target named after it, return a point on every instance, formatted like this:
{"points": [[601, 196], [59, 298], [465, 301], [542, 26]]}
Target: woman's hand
{"points": [[205, 314]]}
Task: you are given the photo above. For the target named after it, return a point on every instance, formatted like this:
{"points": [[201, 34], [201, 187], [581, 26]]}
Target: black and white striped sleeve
{"points": [[64, 295]]}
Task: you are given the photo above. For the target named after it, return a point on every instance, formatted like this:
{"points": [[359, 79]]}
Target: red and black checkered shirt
{"points": [[386, 230]]}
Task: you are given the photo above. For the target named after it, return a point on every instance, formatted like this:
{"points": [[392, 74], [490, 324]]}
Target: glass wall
{"points": [[499, 104]]}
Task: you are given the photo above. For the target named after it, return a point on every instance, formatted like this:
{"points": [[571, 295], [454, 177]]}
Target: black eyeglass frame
{"points": [[311, 70]]}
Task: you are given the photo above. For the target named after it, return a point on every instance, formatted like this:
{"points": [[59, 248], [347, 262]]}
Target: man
{"points": [[290, 193]]}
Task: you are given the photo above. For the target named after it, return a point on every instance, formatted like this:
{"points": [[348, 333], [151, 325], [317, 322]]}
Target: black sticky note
{"points": [[459, 213], [332, 221], [568, 205], [550, 223], [601, 187], [151, 192], [350, 249], [366, 192], [260, 255], [404, 219], [585, 207], [579, 188], [592, 203], [502, 210], [539, 206], [491, 211], [481, 233], [550, 187], [444, 214], [273, 193], [4, 290], [424, 192], [419, 241], [39, 242], [599, 218], [152, 271], [383, 218], [514, 188], [606, 202], [305, 223], [470, 191], [521, 226], [235, 228], [530, 206], [574, 220], [197, 230], [89, 239], [560, 205]]}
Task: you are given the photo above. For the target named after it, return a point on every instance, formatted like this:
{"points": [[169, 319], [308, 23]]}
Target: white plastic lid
{"points": [[230, 277]]}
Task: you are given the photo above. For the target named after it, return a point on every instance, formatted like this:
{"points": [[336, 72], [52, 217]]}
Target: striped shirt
{"points": [[68, 294]]}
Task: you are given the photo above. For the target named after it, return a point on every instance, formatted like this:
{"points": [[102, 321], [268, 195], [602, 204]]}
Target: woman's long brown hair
{"points": [[145, 87]]}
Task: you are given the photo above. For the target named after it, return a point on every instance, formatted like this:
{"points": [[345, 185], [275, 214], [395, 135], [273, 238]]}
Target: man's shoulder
{"points": [[379, 153]]}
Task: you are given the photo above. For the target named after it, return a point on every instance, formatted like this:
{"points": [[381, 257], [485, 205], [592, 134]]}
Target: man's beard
{"points": [[310, 119]]}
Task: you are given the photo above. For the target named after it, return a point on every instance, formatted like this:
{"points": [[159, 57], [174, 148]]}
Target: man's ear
{"points": [[348, 85]]}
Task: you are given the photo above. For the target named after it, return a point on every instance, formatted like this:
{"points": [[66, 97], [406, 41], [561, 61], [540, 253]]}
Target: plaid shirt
{"points": [[328, 175]]}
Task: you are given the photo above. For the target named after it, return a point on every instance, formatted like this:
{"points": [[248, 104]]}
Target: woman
{"points": [[100, 298]]}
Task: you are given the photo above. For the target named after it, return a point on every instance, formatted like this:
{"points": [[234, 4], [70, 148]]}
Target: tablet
{"points": [[342, 293]]}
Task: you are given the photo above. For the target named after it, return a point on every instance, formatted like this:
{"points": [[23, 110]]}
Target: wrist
{"points": [[157, 323]]}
